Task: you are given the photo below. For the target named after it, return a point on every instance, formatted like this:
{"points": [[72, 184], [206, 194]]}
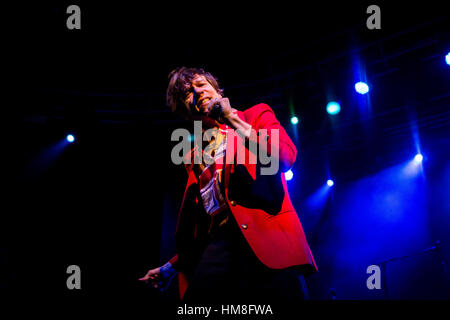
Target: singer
{"points": [[238, 236]]}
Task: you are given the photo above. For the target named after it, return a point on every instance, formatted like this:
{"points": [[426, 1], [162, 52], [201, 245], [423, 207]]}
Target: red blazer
{"points": [[259, 203]]}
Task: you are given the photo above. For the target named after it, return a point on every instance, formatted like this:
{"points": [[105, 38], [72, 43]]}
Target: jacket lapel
{"points": [[233, 142]]}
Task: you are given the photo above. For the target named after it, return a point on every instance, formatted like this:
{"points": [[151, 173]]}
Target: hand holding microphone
{"points": [[219, 109], [216, 112]]}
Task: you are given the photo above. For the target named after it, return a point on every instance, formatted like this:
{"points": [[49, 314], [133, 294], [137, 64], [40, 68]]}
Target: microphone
{"points": [[216, 112]]}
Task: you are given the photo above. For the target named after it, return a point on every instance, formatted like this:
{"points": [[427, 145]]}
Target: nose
{"points": [[198, 92]]}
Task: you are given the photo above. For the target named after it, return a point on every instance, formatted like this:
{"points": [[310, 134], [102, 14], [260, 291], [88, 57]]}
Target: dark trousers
{"points": [[229, 272]]}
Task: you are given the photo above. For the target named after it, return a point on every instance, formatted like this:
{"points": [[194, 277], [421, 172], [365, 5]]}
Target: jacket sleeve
{"points": [[175, 262], [262, 116]]}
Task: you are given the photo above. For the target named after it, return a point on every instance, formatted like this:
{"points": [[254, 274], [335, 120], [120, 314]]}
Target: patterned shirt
{"points": [[210, 176]]}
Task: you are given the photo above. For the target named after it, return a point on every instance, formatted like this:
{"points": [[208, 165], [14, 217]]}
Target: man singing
{"points": [[238, 237]]}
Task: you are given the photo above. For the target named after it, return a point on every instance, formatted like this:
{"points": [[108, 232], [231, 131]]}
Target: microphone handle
{"points": [[216, 111]]}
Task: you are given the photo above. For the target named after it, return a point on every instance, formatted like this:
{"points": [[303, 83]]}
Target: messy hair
{"points": [[179, 84]]}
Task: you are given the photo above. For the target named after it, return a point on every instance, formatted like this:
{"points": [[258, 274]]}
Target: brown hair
{"points": [[179, 84]]}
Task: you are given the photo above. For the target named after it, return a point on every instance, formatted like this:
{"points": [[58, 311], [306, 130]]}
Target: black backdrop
{"points": [[99, 202]]}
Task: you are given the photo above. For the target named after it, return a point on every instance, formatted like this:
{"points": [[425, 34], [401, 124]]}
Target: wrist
{"points": [[167, 270], [230, 116]]}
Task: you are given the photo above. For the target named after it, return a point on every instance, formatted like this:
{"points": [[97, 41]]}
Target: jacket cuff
{"points": [[167, 270]]}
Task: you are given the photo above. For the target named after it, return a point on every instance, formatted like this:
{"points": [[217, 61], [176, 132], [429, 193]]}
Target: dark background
{"points": [[108, 201]]}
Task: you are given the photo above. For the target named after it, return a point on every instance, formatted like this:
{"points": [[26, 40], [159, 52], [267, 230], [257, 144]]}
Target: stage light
{"points": [[333, 107], [70, 138], [447, 58], [361, 87], [294, 120], [418, 158], [330, 182], [288, 175]]}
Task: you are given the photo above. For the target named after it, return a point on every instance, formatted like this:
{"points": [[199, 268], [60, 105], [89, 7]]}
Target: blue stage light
{"points": [[288, 175], [70, 138], [333, 107], [361, 87], [294, 120], [418, 158], [330, 182], [447, 58]]}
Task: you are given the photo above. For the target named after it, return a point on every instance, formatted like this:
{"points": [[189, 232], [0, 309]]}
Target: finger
{"points": [[148, 277], [212, 111], [210, 105]]}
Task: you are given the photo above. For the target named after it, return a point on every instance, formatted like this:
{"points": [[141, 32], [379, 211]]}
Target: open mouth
{"points": [[203, 102]]}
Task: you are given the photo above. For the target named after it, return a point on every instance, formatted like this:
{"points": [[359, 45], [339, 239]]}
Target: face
{"points": [[200, 94]]}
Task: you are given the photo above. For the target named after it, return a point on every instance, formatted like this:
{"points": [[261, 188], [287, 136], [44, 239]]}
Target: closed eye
{"points": [[200, 84]]}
